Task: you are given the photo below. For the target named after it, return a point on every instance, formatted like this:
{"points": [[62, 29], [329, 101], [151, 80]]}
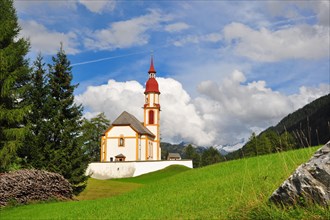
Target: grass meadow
{"points": [[236, 189]]}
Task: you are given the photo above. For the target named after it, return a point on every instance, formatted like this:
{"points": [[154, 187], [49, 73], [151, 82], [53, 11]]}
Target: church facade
{"points": [[128, 139]]}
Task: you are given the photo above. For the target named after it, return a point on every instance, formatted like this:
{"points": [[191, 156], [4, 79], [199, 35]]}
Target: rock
{"points": [[310, 183]]}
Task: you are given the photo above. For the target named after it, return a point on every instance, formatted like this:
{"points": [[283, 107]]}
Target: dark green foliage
{"points": [[200, 156], [170, 148], [191, 153], [309, 125], [211, 156], [34, 143], [92, 131], [14, 75], [62, 152]]}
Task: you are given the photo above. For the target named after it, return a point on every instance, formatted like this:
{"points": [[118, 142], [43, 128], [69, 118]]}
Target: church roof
{"points": [[152, 68], [174, 155], [152, 86], [127, 119], [120, 156]]}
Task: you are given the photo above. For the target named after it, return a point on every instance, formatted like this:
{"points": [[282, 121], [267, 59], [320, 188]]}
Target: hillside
{"points": [[231, 190], [308, 126]]}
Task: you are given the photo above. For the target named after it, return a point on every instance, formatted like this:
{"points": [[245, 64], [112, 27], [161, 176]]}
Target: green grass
{"points": [[232, 190], [97, 189], [156, 176]]}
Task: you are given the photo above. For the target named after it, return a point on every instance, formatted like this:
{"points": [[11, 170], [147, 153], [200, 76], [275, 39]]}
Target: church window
{"points": [[151, 117], [121, 142], [150, 150]]}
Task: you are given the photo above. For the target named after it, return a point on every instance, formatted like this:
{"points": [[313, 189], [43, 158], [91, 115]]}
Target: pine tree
{"points": [[37, 118], [63, 152], [14, 76], [191, 153], [92, 131], [211, 156]]}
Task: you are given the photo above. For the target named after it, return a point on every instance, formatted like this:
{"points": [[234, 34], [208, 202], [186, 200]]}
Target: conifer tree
{"points": [[63, 152], [37, 118], [14, 76]]}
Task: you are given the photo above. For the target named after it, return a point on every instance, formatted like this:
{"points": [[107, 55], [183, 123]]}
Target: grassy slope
{"points": [[235, 189], [97, 189]]}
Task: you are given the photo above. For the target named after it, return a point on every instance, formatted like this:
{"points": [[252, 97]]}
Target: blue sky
{"points": [[220, 57]]}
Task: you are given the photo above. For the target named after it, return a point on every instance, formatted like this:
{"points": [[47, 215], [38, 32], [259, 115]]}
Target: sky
{"points": [[225, 68]]}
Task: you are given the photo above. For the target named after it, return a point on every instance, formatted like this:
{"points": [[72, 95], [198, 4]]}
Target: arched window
{"points": [[121, 142], [151, 117]]}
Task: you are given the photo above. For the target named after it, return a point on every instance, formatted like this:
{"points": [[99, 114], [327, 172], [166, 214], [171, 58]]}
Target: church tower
{"points": [[152, 112]]}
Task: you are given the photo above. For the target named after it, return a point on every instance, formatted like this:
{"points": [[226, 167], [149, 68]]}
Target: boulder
{"points": [[310, 183], [23, 186]]}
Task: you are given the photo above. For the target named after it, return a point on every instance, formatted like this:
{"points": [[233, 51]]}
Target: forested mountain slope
{"points": [[308, 126]]}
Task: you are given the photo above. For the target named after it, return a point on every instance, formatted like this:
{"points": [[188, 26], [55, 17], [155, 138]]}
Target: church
{"points": [[128, 139]]}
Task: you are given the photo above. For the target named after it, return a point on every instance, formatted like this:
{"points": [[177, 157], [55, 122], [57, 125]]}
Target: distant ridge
{"points": [[307, 126], [315, 116]]}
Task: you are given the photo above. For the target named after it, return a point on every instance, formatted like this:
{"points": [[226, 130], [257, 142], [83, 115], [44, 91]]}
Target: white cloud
{"points": [[124, 34], [222, 113], [98, 6], [176, 27], [196, 39], [240, 108], [294, 9], [179, 119], [47, 41], [299, 42]]}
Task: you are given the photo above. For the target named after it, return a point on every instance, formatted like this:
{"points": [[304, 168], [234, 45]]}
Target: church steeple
{"points": [[152, 84], [152, 108], [152, 68]]}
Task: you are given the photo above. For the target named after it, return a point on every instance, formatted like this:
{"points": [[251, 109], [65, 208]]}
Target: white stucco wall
{"points": [[116, 131], [115, 170], [113, 148]]}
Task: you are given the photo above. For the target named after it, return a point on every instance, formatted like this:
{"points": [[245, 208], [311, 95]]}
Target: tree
{"points": [[14, 76], [63, 152], [211, 156], [37, 118], [190, 153], [92, 131]]}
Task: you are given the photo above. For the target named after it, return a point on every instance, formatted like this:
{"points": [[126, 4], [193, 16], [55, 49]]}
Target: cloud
{"points": [[125, 34], [240, 108], [98, 6], [222, 113], [176, 27], [179, 119], [298, 42], [47, 41], [196, 39], [295, 9]]}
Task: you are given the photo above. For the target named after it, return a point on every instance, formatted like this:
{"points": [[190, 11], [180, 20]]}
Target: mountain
{"points": [[229, 148], [308, 126]]}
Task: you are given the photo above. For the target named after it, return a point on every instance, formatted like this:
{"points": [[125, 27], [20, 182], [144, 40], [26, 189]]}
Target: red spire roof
{"points": [[152, 84], [152, 68]]}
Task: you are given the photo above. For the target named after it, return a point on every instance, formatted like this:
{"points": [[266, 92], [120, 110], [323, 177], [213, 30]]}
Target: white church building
{"points": [[131, 148], [128, 139]]}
